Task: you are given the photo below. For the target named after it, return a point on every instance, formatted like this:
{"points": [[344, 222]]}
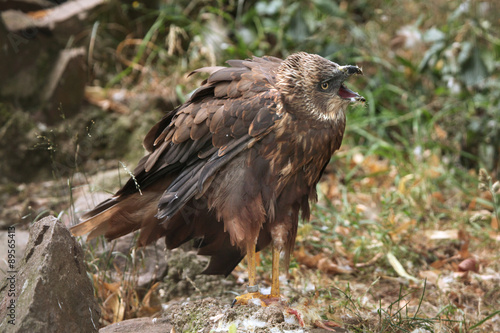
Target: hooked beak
{"points": [[350, 70], [346, 93]]}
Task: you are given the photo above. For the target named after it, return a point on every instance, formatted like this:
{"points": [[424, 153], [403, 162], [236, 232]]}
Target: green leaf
{"points": [[474, 70], [434, 35], [328, 7], [434, 50]]}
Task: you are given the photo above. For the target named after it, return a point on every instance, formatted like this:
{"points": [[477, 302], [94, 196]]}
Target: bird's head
{"points": [[313, 86]]}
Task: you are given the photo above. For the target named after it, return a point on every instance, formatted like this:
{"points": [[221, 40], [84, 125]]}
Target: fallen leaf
{"points": [[442, 234], [371, 261], [494, 223], [305, 259], [431, 276], [464, 248], [339, 248], [495, 235], [399, 268], [327, 266], [402, 183], [116, 306], [440, 132], [150, 303], [469, 264], [106, 99], [438, 264], [438, 196], [326, 325]]}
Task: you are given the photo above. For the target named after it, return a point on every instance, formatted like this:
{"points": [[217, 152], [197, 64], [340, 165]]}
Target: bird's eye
{"points": [[324, 85]]}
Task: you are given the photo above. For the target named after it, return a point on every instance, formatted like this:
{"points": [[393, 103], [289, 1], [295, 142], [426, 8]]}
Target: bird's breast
{"points": [[302, 147]]}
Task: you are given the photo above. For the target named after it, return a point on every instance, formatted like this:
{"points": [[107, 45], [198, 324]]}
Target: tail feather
{"points": [[119, 216], [125, 213]]}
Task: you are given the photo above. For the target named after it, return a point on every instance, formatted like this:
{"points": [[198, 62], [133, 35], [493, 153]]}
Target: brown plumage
{"points": [[234, 166]]}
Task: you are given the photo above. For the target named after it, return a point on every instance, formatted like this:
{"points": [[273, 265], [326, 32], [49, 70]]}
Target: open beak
{"points": [[346, 93]]}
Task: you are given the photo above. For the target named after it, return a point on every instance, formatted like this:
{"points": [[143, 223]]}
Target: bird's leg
{"points": [[275, 283], [252, 269], [253, 289]]}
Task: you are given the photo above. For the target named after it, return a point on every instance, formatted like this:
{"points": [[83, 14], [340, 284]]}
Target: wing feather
{"points": [[232, 109], [198, 131], [220, 90], [216, 118], [201, 116]]}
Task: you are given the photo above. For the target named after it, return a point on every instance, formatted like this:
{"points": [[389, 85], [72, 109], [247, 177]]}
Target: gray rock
{"points": [[138, 325], [49, 290], [65, 85], [210, 314], [184, 277], [44, 75]]}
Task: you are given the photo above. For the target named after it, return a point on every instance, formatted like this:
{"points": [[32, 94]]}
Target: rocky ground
{"points": [[166, 285], [53, 292]]}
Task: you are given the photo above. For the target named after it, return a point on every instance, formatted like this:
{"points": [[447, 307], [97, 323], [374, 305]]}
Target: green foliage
{"points": [[441, 74], [462, 55]]}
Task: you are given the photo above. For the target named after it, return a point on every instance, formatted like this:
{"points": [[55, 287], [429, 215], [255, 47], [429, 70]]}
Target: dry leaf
{"points": [[327, 266], [339, 248], [371, 261], [326, 325], [116, 306], [440, 132], [431, 276], [442, 234], [106, 99], [469, 264], [494, 223], [438, 196], [372, 164], [402, 188], [495, 235], [308, 260], [399, 268], [150, 303], [438, 264], [464, 248]]}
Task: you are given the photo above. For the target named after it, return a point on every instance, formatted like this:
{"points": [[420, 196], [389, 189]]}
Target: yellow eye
{"points": [[324, 85]]}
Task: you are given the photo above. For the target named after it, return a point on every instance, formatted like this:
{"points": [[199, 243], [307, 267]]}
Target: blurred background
{"points": [[83, 81], [109, 69]]}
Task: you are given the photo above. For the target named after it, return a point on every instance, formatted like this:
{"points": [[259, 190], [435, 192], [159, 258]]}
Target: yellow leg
{"points": [[275, 283], [252, 273], [253, 289]]}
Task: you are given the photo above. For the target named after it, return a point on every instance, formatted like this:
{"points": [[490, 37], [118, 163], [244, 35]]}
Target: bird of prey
{"points": [[234, 166]]}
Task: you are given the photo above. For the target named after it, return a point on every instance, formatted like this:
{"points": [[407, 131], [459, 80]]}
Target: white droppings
{"points": [[309, 287], [291, 319], [265, 290], [255, 301], [216, 318]]}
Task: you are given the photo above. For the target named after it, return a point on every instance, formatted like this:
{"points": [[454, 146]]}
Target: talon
{"points": [[265, 300], [245, 298]]}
